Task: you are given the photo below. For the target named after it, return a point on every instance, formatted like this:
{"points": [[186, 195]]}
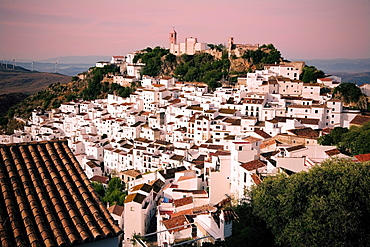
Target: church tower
{"points": [[173, 37], [173, 41]]}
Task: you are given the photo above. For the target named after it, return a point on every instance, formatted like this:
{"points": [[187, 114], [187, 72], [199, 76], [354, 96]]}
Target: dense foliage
{"points": [[249, 230], [352, 141], [327, 206], [114, 194], [265, 54], [203, 67], [155, 60], [310, 74], [351, 94]]}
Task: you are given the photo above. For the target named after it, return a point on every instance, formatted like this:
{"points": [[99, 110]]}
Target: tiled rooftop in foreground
{"points": [[47, 200]]}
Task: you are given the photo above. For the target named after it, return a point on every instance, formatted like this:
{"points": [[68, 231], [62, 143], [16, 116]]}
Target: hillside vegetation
{"points": [[205, 67]]}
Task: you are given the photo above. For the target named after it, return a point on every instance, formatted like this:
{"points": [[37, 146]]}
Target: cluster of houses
{"points": [[185, 152]]}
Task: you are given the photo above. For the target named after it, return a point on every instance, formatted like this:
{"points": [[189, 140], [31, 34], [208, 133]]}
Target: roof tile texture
{"points": [[46, 198]]}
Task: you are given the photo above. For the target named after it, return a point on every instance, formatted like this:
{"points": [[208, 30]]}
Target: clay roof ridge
{"points": [[96, 202]]}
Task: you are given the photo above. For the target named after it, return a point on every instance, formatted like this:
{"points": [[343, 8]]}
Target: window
{"points": [[316, 111], [240, 148]]}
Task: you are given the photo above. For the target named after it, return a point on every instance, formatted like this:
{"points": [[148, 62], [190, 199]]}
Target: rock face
{"points": [[239, 65]]}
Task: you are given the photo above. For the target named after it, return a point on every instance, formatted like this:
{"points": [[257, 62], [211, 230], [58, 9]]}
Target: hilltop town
{"points": [[186, 152]]}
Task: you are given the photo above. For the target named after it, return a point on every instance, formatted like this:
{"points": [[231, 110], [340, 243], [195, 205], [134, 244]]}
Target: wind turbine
{"points": [[56, 66]]}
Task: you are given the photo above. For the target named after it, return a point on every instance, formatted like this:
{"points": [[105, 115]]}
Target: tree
{"points": [[326, 206], [356, 140], [325, 140], [347, 92], [153, 60], [115, 192], [249, 229], [99, 188], [311, 74], [308, 76]]}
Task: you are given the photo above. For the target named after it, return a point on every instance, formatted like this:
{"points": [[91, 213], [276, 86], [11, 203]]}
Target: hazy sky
{"points": [[305, 29]]}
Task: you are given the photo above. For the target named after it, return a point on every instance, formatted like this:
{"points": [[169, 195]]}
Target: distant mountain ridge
{"points": [[350, 70], [342, 65], [21, 80], [77, 59]]}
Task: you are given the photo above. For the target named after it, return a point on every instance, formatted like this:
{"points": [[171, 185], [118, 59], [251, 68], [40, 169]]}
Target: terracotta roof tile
{"points": [[332, 152], [47, 200], [295, 148], [256, 179], [174, 222], [262, 134], [360, 120], [100, 179], [305, 132], [116, 209], [144, 187], [183, 201], [253, 165], [135, 197], [205, 209], [363, 157]]}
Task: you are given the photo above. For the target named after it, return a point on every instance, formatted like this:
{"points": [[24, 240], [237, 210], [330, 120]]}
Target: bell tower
{"points": [[173, 37], [173, 41]]}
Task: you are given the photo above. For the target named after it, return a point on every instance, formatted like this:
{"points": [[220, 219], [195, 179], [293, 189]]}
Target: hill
{"points": [[20, 80], [341, 65], [358, 78], [8, 100], [96, 85]]}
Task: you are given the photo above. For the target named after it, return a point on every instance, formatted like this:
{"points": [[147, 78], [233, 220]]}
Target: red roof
{"points": [[253, 165], [325, 79], [116, 209], [363, 157], [47, 199]]}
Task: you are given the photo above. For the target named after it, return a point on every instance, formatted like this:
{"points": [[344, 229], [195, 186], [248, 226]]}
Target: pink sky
{"points": [[308, 29]]}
